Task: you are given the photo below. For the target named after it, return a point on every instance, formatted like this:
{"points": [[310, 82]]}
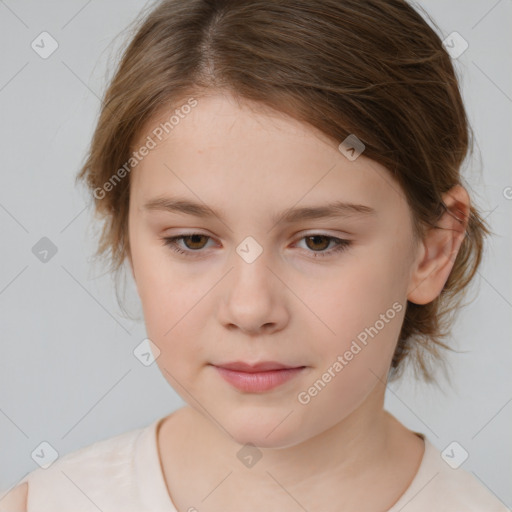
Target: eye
{"points": [[193, 242], [316, 242], [319, 242]]}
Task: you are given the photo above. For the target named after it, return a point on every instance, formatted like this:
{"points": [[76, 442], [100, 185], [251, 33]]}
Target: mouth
{"points": [[257, 378]]}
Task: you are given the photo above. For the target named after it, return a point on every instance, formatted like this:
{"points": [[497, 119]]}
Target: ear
{"points": [[439, 247]]}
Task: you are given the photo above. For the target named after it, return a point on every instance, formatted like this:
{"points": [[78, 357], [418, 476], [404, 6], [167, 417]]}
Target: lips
{"points": [[265, 366], [259, 377]]}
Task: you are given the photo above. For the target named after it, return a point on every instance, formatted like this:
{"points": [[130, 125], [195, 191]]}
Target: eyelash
{"points": [[341, 245]]}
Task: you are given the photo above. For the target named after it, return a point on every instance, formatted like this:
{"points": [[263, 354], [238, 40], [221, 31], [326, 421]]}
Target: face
{"points": [[257, 272]]}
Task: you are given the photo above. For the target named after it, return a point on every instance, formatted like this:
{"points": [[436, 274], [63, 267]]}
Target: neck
{"points": [[367, 449]]}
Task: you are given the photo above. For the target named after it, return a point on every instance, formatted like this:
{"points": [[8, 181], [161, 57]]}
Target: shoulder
{"points": [[15, 500], [99, 456], [442, 485], [464, 490], [80, 478]]}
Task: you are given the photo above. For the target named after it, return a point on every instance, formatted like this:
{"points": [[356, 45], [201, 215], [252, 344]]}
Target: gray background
{"points": [[68, 374]]}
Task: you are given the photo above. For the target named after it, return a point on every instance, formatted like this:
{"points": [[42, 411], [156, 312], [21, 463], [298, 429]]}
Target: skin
{"points": [[285, 306], [288, 306]]}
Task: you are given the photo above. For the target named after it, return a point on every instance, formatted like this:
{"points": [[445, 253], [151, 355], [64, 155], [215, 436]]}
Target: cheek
{"points": [[173, 310], [177, 305], [363, 305], [166, 289], [169, 296], [175, 321]]}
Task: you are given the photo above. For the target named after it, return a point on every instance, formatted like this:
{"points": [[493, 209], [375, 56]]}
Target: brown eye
{"points": [[318, 242], [193, 242], [191, 245], [318, 245]]}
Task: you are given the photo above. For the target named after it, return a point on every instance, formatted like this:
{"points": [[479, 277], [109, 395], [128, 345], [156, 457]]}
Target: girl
{"points": [[283, 180]]}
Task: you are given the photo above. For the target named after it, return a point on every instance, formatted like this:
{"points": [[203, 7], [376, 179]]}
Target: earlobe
{"points": [[439, 248]]}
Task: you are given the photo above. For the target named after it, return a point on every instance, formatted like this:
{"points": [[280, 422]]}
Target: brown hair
{"points": [[373, 68]]}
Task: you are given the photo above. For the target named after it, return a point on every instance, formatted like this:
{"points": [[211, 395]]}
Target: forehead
{"points": [[225, 151]]}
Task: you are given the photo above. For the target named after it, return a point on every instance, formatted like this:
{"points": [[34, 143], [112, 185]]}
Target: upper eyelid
{"points": [[298, 235]]}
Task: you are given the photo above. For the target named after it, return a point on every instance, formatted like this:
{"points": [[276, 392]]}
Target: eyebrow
{"points": [[289, 216]]}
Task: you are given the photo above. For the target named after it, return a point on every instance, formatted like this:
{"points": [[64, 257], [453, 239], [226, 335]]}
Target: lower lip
{"points": [[258, 382]]}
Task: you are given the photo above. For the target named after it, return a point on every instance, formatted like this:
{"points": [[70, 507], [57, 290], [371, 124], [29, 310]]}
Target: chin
{"points": [[263, 430]]}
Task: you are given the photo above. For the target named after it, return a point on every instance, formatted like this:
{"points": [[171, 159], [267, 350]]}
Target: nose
{"points": [[254, 299]]}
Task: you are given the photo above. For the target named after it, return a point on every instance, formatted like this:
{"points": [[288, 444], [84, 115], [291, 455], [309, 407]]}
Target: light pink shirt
{"points": [[123, 474]]}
